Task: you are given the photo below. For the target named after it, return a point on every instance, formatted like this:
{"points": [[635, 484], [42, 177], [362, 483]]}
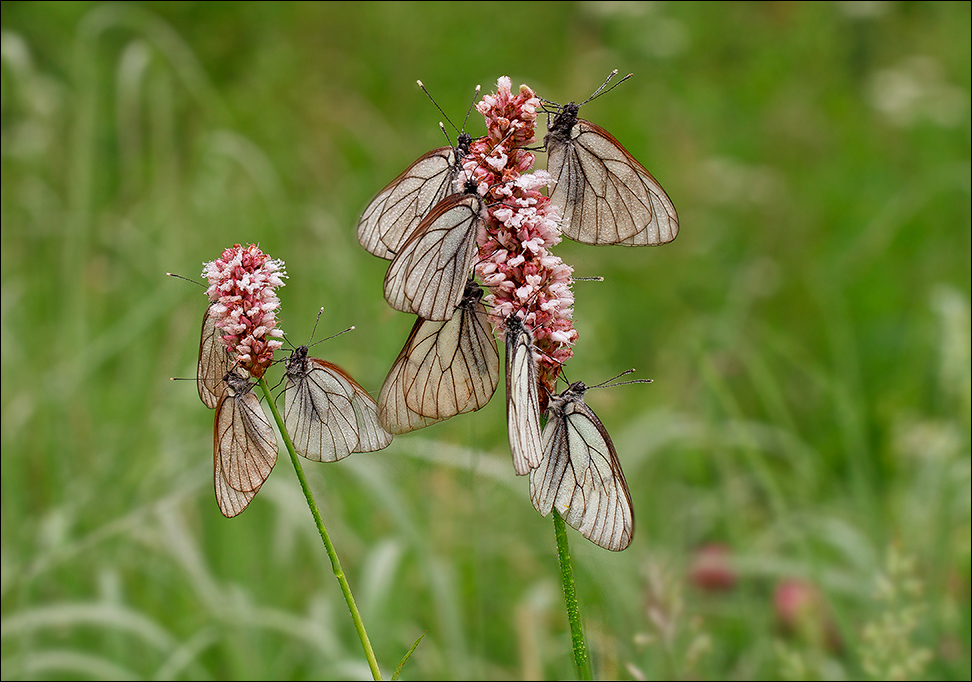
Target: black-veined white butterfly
{"points": [[605, 195], [580, 475], [445, 368], [393, 216], [327, 413], [428, 276], [522, 397], [213, 364], [244, 445]]}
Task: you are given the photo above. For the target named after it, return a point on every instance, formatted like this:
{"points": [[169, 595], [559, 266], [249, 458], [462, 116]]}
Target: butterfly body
{"points": [[580, 475]]}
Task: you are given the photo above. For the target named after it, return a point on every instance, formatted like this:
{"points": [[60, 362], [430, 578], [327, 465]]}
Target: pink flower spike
{"points": [[523, 276], [241, 283]]}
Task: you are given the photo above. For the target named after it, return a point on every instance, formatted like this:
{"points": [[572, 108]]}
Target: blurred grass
{"points": [[808, 334]]}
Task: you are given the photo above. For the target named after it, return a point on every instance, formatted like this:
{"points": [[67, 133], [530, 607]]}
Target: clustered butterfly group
{"points": [[429, 223]]}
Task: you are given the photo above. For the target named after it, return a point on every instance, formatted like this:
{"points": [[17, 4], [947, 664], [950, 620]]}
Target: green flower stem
{"points": [[331, 552], [582, 658]]}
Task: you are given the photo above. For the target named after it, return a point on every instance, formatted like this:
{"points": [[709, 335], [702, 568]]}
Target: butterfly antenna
{"points": [[608, 384], [471, 105], [343, 331], [316, 322], [587, 279], [446, 133], [422, 85], [602, 91], [172, 274]]}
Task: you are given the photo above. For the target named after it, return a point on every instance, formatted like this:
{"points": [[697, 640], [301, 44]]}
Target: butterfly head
{"points": [[297, 362], [473, 293], [563, 121], [236, 383], [463, 144], [573, 392]]}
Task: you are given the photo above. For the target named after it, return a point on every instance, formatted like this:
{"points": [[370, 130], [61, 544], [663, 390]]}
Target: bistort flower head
{"points": [[241, 286], [523, 276]]}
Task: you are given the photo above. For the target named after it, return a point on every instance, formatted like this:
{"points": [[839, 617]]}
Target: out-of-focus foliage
{"points": [[807, 333]]}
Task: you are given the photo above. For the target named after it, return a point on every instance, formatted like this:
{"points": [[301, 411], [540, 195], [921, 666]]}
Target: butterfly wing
{"points": [[522, 398], [244, 446], [392, 216], [605, 195], [213, 364], [231, 502], [327, 413], [445, 368], [428, 276], [580, 475]]}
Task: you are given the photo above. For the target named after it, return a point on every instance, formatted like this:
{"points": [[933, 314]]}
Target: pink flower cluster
{"points": [[241, 287], [515, 263]]}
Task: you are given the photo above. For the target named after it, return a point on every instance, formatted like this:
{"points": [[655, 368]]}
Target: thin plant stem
{"points": [[331, 552], [582, 658]]}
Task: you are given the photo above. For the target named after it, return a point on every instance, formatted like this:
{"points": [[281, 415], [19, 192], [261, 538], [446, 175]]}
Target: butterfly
{"points": [[428, 275], [327, 413], [244, 444], [445, 368], [605, 195], [580, 475], [214, 362], [393, 216], [522, 397]]}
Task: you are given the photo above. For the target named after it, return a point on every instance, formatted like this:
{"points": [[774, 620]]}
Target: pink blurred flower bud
{"points": [[801, 610], [711, 568]]}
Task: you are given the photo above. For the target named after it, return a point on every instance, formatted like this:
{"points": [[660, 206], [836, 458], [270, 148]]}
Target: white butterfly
{"points": [[244, 445], [580, 475], [522, 398], [445, 368], [393, 216], [605, 195], [428, 276], [327, 413]]}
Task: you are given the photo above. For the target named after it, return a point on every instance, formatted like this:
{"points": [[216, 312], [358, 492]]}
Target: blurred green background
{"points": [[808, 334]]}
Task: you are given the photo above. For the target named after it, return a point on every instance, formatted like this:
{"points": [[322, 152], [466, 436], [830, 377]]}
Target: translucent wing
{"points": [[580, 475], [244, 446], [392, 216], [213, 364], [605, 195], [522, 398], [231, 502], [428, 276], [327, 413], [446, 368]]}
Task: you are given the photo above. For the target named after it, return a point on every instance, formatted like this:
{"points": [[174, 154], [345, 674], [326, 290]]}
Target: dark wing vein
{"points": [[581, 478], [428, 276], [522, 399], [392, 216]]}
